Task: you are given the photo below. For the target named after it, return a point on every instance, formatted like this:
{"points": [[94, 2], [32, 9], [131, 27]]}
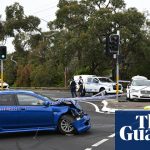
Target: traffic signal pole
{"points": [[112, 47], [117, 75], [117, 68]]}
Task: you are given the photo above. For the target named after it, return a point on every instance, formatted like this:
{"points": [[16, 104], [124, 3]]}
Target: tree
{"points": [[75, 42], [88, 22], [23, 76]]}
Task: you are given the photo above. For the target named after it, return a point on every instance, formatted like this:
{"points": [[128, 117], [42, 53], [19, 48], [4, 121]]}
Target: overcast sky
{"points": [[45, 10]]}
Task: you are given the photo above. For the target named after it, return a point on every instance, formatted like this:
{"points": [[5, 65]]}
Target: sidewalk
{"points": [[112, 105]]}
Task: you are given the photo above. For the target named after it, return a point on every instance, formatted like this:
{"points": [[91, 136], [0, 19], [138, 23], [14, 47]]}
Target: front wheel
{"points": [[128, 98], [102, 91], [65, 125]]}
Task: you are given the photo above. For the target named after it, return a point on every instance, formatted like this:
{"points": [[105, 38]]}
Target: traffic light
{"points": [[3, 52], [114, 41], [107, 48]]}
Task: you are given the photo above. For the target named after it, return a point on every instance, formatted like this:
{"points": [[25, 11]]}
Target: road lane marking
{"points": [[99, 143], [104, 140], [111, 136], [95, 106], [103, 110]]}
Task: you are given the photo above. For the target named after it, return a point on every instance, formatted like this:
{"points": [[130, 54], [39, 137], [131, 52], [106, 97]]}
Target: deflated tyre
{"points": [[65, 125]]}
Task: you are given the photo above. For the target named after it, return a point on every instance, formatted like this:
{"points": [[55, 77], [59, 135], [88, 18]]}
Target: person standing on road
{"points": [[80, 83], [73, 88]]}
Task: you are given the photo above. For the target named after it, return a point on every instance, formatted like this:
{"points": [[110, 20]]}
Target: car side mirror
{"points": [[46, 103]]}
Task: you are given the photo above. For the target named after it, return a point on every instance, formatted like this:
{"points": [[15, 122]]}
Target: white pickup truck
{"points": [[94, 84]]}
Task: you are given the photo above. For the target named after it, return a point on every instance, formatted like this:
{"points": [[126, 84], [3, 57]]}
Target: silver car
{"points": [[138, 89]]}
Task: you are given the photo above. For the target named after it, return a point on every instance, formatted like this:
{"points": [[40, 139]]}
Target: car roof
{"points": [[76, 76], [102, 77], [139, 78], [84, 77], [16, 92]]}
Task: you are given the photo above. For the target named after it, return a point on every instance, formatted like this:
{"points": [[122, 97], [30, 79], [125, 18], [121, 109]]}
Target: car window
{"points": [[105, 80], [28, 100], [141, 83], [95, 80], [89, 79], [7, 100]]}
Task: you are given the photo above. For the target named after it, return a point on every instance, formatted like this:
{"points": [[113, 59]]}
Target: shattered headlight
{"points": [[77, 113]]}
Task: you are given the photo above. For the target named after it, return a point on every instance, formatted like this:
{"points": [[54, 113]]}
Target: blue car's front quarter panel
{"points": [[83, 124], [58, 112]]}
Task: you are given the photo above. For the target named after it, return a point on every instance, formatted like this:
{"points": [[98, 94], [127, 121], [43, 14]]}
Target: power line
{"points": [[45, 9]]}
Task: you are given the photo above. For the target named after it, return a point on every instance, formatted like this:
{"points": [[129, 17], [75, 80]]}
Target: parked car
{"points": [[110, 85], [23, 111], [94, 84], [139, 88], [5, 85]]}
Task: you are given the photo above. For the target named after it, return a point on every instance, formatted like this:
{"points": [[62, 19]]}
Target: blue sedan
{"points": [[23, 111]]}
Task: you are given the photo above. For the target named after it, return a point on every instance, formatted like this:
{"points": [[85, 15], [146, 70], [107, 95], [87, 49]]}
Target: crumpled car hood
{"points": [[67, 101]]}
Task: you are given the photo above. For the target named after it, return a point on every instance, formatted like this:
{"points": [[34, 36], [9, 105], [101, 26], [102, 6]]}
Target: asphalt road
{"points": [[99, 137]]}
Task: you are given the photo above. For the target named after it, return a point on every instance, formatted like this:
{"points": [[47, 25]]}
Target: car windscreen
{"points": [[141, 83], [46, 96], [105, 80]]}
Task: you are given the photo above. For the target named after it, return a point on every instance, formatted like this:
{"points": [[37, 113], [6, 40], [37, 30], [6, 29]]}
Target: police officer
{"points": [[80, 83], [73, 88]]}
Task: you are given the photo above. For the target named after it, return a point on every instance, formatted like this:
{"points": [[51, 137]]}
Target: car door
{"points": [[8, 112], [92, 85], [32, 112], [96, 86], [88, 85]]}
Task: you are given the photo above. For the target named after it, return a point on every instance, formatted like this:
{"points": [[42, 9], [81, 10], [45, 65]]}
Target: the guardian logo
{"points": [[142, 133], [132, 129]]}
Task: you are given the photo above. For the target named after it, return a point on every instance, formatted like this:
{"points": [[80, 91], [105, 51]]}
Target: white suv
{"points": [[110, 86], [139, 88], [94, 84]]}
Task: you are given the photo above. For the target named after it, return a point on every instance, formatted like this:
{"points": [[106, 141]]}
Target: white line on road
{"points": [[111, 136], [99, 143], [104, 140], [96, 107]]}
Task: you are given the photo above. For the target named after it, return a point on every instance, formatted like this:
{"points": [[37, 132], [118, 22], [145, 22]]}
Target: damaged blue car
{"points": [[24, 111]]}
